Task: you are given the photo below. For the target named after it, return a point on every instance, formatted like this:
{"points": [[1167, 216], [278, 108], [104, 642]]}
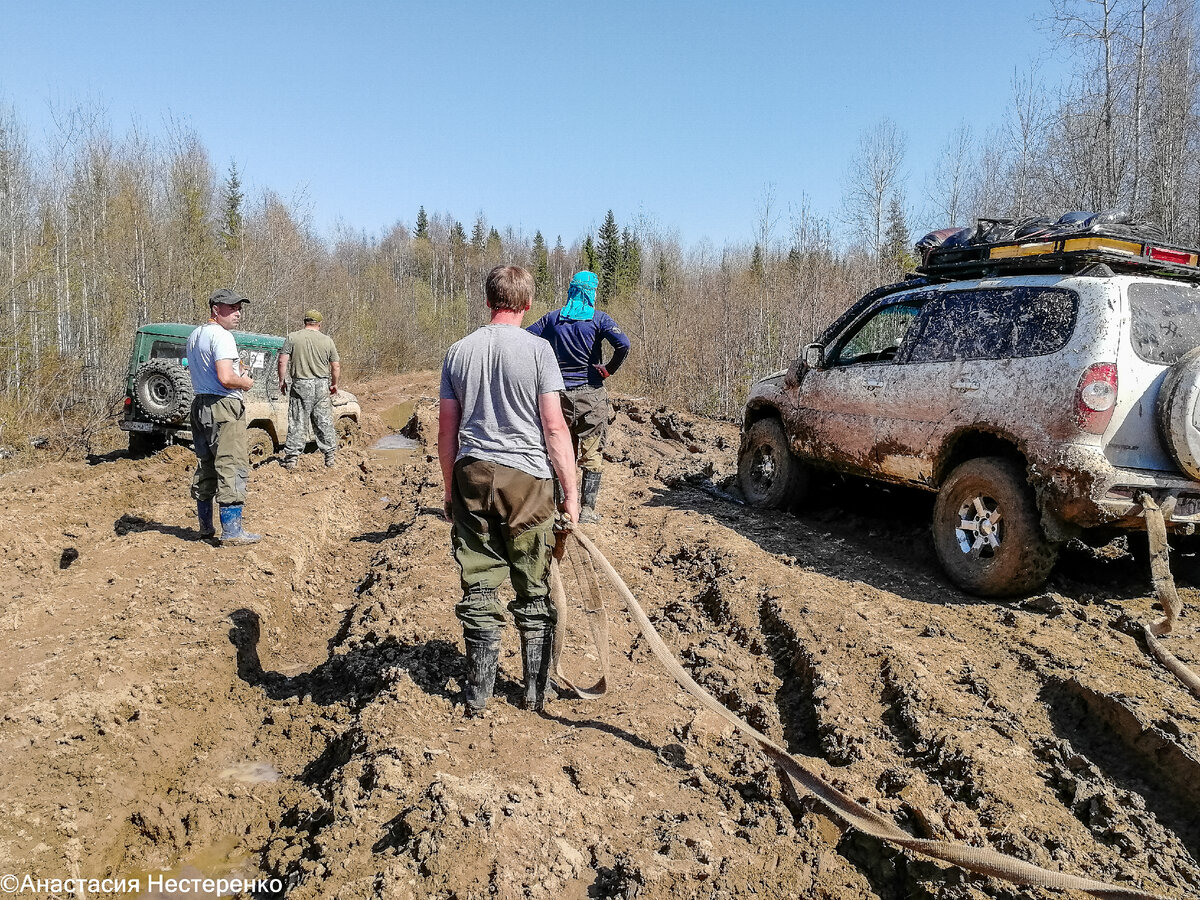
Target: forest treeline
{"points": [[102, 232]]}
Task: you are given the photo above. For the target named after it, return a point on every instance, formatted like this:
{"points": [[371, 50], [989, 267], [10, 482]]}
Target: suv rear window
{"points": [[1165, 320], [995, 323]]}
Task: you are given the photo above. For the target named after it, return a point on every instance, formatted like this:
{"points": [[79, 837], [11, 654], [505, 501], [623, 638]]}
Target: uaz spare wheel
{"points": [[1179, 415], [163, 390]]}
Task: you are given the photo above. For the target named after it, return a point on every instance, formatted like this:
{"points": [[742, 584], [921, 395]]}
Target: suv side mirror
{"points": [[814, 356]]}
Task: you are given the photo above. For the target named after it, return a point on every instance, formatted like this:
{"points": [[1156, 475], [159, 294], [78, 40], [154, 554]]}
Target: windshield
{"points": [[1165, 319]]}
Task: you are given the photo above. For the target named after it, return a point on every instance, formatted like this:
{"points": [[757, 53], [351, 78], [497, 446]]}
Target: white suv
{"points": [[1037, 406]]}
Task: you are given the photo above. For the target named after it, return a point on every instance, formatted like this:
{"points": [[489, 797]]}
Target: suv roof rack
{"points": [[1062, 253]]}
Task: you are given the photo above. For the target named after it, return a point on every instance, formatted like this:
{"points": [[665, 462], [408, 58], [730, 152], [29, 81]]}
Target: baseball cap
{"points": [[227, 296], [312, 316]]}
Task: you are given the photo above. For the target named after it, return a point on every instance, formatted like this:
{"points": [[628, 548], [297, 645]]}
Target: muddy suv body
{"points": [[1039, 407], [158, 391]]}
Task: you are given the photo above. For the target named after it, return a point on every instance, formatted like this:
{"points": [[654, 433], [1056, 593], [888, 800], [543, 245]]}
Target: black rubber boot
{"points": [[591, 490], [537, 646], [483, 657], [204, 512]]}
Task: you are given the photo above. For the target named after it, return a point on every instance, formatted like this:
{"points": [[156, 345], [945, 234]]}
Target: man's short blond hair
{"points": [[509, 287]]}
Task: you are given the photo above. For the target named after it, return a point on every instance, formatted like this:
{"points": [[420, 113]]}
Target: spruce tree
{"points": [[494, 245], [231, 212], [422, 224], [587, 255], [897, 250], [479, 235], [458, 235], [756, 263], [543, 287], [609, 248]]}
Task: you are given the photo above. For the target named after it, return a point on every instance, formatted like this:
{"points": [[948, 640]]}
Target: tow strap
{"points": [[1164, 587], [803, 772]]}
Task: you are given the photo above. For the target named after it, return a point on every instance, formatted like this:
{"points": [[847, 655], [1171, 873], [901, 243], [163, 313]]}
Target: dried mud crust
{"points": [[151, 680]]}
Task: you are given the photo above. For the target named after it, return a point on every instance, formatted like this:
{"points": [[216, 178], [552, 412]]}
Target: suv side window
{"points": [[878, 339], [1165, 320], [994, 323], [167, 350]]}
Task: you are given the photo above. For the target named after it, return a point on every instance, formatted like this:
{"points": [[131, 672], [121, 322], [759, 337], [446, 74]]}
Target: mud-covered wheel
{"points": [[164, 391], [349, 432], [769, 473], [259, 443], [987, 531], [1177, 414]]}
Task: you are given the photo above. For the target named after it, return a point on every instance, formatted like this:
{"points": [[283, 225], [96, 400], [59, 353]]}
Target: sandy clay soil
{"points": [[292, 709]]}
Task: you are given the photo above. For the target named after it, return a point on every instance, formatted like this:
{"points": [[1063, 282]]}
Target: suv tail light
{"points": [[1165, 254], [1096, 398]]}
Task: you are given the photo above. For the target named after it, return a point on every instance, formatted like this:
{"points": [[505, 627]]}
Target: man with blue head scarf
{"points": [[577, 333]]}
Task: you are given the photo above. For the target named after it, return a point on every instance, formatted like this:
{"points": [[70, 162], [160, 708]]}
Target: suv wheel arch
{"points": [[968, 444]]}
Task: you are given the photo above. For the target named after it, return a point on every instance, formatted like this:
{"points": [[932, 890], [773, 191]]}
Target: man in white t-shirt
{"points": [[219, 419]]}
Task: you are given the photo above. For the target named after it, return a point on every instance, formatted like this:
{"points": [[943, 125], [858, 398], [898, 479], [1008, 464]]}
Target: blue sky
{"points": [[540, 115]]}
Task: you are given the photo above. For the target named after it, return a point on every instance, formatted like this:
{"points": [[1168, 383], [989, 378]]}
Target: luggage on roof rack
{"points": [[1038, 245]]}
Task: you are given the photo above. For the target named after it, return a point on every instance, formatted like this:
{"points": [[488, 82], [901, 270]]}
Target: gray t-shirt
{"points": [[496, 374]]}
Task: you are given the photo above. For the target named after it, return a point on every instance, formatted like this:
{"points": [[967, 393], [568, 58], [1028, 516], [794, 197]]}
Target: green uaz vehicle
{"points": [[158, 392]]}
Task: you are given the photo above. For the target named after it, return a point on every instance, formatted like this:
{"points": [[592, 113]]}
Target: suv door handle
{"points": [[872, 385], [965, 386]]}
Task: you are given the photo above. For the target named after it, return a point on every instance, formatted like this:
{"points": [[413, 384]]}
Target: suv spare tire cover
{"points": [[1178, 413], [164, 391]]}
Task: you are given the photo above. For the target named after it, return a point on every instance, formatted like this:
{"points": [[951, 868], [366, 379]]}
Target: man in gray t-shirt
{"points": [[498, 418]]}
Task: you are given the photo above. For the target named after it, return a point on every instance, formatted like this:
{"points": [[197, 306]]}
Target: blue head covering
{"points": [[581, 297]]}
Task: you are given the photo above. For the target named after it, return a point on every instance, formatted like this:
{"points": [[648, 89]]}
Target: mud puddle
{"points": [[401, 448], [221, 870]]}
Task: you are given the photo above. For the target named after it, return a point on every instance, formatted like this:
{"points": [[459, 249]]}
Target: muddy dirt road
{"points": [[289, 709]]}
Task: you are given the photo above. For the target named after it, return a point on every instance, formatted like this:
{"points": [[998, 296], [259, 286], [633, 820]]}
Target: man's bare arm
{"points": [[282, 368], [230, 379], [336, 369], [562, 454], [449, 418]]}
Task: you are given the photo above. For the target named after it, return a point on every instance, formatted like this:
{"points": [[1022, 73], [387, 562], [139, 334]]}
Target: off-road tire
{"points": [[349, 432], [770, 475], [975, 492], [163, 390], [259, 444], [1176, 413]]}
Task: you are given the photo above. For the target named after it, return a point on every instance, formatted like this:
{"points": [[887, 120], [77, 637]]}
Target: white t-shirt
{"points": [[207, 344]]}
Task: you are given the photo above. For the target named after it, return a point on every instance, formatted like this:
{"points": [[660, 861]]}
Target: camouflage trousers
{"points": [[502, 529], [308, 402], [586, 412], [222, 455]]}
